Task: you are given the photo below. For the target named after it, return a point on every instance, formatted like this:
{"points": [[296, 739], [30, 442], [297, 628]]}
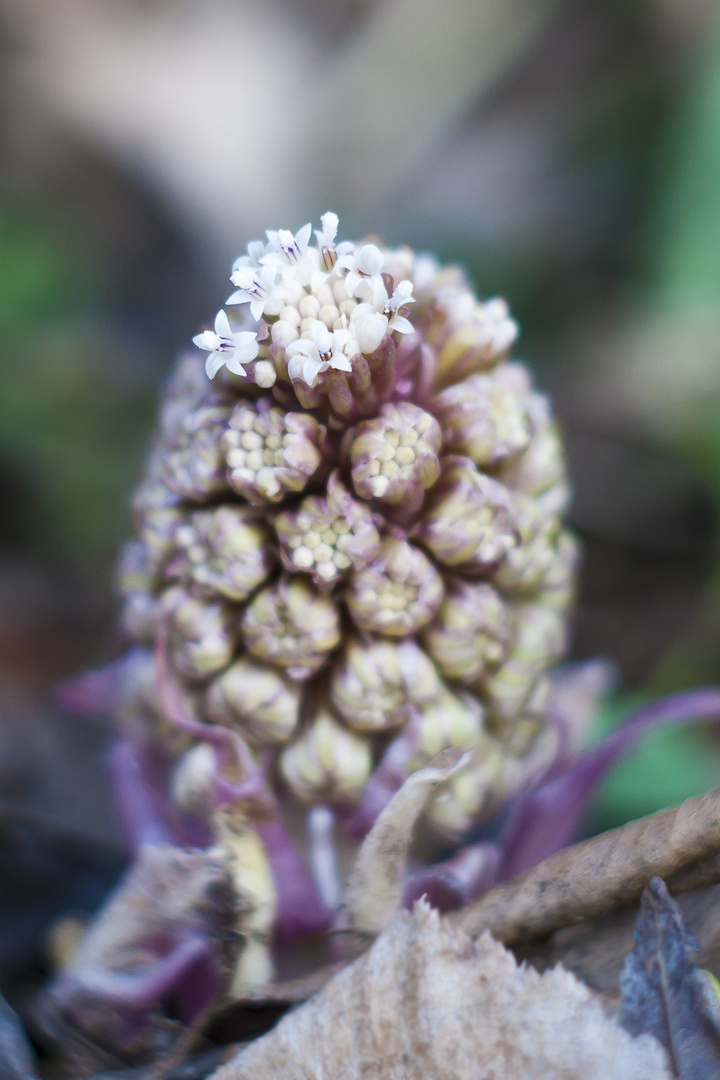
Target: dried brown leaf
{"points": [[592, 877], [426, 1001]]}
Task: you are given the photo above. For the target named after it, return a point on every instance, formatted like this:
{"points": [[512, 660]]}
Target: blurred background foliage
{"points": [[567, 152]]}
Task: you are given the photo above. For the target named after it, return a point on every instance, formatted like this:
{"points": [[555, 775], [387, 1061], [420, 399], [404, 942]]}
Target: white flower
{"points": [[401, 296], [255, 251], [368, 326], [364, 277], [259, 287], [322, 350], [291, 254], [225, 346]]}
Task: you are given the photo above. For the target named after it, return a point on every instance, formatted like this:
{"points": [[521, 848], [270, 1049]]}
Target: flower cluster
{"points": [[317, 307], [350, 556]]}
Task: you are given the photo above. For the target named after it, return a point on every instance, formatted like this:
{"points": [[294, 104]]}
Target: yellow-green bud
{"points": [[137, 586], [484, 419], [470, 634], [541, 466], [526, 565], [377, 682], [259, 699], [202, 633], [539, 640], [448, 720], [326, 762], [270, 452], [224, 551], [292, 624], [470, 524], [327, 536], [396, 594], [194, 466], [394, 456]]}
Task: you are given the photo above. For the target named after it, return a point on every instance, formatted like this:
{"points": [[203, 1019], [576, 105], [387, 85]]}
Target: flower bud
{"points": [[472, 794], [541, 466], [470, 633], [327, 536], [292, 624], [376, 683], [270, 452], [137, 587], [483, 419], [448, 720], [202, 633], [396, 594], [479, 335], [326, 762], [258, 698], [531, 560], [224, 551], [194, 465], [394, 457], [558, 585], [369, 328], [539, 639], [192, 783], [470, 523]]}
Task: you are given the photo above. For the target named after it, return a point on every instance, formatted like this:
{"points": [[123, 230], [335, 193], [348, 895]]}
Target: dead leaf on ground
{"points": [[664, 993], [426, 1001]]}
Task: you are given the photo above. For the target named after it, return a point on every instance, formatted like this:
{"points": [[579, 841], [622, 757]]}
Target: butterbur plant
{"points": [[350, 558]]}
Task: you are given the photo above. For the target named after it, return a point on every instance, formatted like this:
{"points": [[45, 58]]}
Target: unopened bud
{"points": [[270, 452], [539, 639], [483, 419], [376, 683], [470, 524], [258, 698], [480, 334], [448, 720], [137, 586], [326, 762], [394, 456], [192, 784], [292, 624], [396, 594], [202, 633], [223, 551], [531, 560], [327, 536], [194, 466], [472, 794], [470, 633], [541, 466]]}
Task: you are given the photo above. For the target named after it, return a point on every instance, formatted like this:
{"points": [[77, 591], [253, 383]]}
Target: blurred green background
{"points": [[567, 153]]}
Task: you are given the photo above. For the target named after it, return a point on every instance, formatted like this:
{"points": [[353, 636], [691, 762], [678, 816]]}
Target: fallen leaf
{"points": [[428, 1002], [596, 875], [664, 992]]}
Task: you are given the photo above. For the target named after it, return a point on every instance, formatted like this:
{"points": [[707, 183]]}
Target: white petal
{"points": [[302, 237], [213, 364], [401, 324], [222, 324], [239, 297], [256, 308], [233, 364], [340, 362], [246, 346], [207, 341]]}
